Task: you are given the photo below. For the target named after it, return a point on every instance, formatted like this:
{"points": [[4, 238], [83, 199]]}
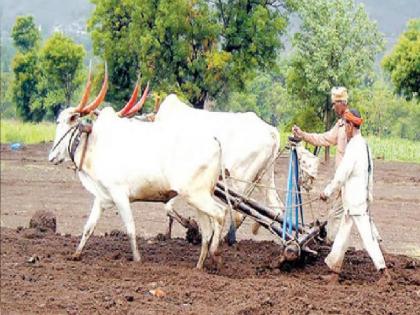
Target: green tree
{"points": [[194, 47], [265, 95], [25, 34], [335, 46], [403, 63], [7, 109], [387, 114], [25, 68], [27, 74], [62, 62]]}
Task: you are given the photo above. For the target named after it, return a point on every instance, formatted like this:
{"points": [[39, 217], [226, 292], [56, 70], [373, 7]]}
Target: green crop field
{"points": [[27, 133]]}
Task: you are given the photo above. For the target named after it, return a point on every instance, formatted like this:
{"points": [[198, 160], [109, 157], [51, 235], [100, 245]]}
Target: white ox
{"points": [[127, 161], [249, 145]]}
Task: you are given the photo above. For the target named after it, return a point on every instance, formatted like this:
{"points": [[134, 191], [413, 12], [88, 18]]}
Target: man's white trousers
{"points": [[366, 230]]}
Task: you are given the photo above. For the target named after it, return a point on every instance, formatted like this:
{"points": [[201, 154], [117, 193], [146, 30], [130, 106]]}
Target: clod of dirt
{"points": [[410, 265], [117, 233], [33, 259], [157, 292], [32, 233], [161, 237], [43, 221]]}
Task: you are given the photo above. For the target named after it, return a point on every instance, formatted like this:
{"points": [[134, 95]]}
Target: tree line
{"points": [[227, 55]]}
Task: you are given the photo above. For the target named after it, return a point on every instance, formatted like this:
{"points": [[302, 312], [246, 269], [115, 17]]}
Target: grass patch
{"points": [[394, 149], [27, 133]]}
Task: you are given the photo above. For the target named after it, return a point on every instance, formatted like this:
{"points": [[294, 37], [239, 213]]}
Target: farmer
{"points": [[335, 136], [354, 176]]}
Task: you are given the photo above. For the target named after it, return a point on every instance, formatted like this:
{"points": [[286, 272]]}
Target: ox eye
{"points": [[73, 118]]}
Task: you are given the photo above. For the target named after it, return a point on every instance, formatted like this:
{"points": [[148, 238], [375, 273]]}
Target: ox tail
{"points": [[231, 236]]}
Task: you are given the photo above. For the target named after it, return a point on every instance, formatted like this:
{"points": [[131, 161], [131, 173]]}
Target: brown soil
{"points": [[38, 275]]}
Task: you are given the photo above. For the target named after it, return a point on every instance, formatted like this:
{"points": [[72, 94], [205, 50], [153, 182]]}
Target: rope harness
{"points": [[74, 141]]}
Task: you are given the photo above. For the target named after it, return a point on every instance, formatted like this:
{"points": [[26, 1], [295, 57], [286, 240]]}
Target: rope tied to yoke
{"points": [[253, 184]]}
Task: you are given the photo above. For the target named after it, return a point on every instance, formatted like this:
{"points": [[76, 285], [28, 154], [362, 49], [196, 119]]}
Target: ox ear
{"points": [[73, 117]]}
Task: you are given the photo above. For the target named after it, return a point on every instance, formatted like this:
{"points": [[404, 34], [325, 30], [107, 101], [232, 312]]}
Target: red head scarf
{"points": [[349, 116]]}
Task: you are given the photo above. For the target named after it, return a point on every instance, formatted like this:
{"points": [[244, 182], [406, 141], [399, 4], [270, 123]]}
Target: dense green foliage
{"points": [[61, 62], [44, 78], [196, 48], [386, 114], [404, 61], [335, 46], [25, 93], [25, 34], [227, 53], [25, 68]]}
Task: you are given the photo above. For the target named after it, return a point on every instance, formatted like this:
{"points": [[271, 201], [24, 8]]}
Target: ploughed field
{"points": [[39, 276]]}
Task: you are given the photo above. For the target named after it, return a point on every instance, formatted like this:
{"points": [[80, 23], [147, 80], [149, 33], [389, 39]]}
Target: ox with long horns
{"points": [[249, 146], [120, 161]]}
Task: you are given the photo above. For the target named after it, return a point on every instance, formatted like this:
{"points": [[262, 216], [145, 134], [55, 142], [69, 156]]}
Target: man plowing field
{"points": [[355, 177]]}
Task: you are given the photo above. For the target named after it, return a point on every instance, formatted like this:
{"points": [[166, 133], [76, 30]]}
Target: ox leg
{"points": [[216, 213], [206, 234], [124, 209], [169, 207], [218, 223], [90, 225]]}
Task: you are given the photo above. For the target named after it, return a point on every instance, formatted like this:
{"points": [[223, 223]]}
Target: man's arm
{"points": [[325, 139]]}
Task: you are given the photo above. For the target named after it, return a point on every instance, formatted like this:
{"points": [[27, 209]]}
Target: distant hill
{"points": [[49, 14], [392, 16]]}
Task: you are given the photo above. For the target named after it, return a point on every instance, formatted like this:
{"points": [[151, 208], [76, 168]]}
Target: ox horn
{"points": [[86, 92], [131, 102], [98, 100], [140, 103]]}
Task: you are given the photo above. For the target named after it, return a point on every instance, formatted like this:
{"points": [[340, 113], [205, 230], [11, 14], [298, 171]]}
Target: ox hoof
{"points": [[137, 258], [163, 237], [216, 262], [331, 279]]}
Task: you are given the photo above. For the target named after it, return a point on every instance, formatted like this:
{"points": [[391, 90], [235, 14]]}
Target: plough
{"points": [[294, 235]]}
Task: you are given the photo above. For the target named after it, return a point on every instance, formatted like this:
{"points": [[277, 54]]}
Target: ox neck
{"points": [[77, 146]]}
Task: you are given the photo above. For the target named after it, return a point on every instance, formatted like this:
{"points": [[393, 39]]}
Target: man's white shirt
{"points": [[352, 176]]}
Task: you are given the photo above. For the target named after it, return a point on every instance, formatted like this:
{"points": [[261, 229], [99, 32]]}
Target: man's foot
{"points": [[385, 277], [331, 279]]}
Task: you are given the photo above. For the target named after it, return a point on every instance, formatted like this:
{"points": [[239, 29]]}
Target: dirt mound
{"points": [[43, 221], [38, 276]]}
